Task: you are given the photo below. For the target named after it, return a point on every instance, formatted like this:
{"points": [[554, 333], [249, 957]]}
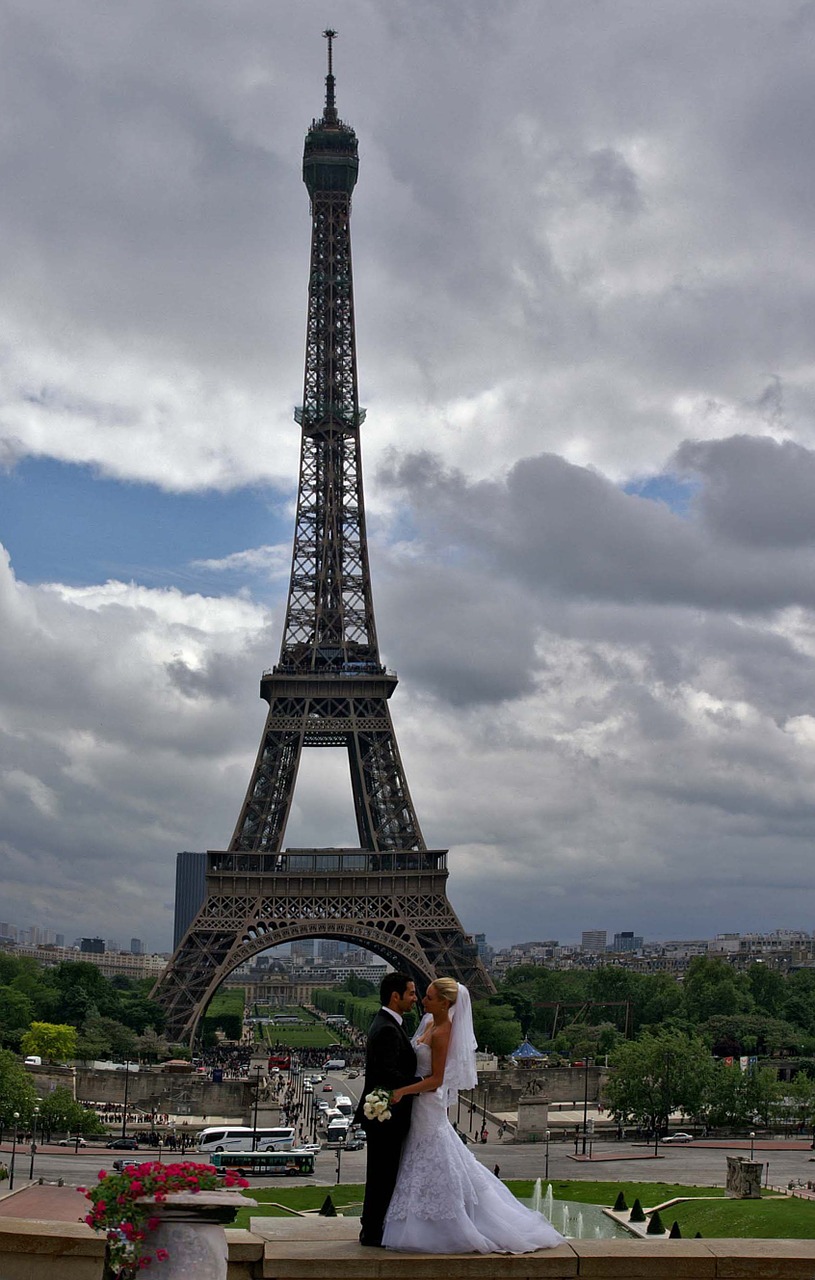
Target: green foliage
{"points": [[59, 1112], [712, 986], [735, 1096], [106, 1038], [16, 1013], [50, 1040], [359, 1010], [358, 987], [748, 1033], [225, 1014], [497, 1029], [656, 1075], [17, 1093]]}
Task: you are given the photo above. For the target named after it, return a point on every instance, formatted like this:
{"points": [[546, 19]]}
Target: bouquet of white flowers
{"points": [[377, 1105]]}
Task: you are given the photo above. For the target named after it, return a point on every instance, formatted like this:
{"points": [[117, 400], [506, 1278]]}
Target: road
{"points": [[701, 1166], [691, 1164]]}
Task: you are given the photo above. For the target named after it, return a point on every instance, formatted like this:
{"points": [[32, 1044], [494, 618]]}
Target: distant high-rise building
{"points": [[93, 946], [331, 949], [8, 930], [626, 941], [485, 951], [190, 888], [135, 946], [593, 940], [59, 940], [305, 949]]}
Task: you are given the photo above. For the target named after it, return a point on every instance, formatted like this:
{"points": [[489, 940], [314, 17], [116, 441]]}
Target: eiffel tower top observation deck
{"points": [[328, 689]]}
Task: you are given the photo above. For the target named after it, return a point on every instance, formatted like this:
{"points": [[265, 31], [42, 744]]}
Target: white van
{"points": [[334, 1064], [344, 1104], [33, 1060], [238, 1137]]}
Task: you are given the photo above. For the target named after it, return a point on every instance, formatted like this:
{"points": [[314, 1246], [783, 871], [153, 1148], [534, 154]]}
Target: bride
{"points": [[444, 1200]]}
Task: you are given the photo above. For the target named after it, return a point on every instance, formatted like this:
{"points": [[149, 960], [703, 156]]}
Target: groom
{"points": [[390, 1062]]}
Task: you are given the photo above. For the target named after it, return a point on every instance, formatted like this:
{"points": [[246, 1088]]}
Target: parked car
{"points": [[678, 1137], [72, 1142], [123, 1144]]}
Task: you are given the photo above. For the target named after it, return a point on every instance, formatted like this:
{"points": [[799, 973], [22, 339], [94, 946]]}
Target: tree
{"points": [[152, 1046], [497, 1030], [105, 1038], [50, 1040], [712, 986], [59, 1111], [656, 1075], [17, 1093], [16, 1012]]}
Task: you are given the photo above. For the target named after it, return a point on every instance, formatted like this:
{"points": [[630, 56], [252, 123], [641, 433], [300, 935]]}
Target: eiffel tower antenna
{"points": [[328, 689]]}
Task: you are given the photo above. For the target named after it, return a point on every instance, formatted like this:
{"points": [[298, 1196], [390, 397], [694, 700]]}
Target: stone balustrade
{"points": [[311, 1248]]}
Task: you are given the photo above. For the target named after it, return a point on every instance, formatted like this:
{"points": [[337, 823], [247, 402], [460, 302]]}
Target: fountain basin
{"points": [[574, 1219]]}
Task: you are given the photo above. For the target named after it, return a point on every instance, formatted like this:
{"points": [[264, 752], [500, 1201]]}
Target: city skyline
{"points": [[584, 313]]}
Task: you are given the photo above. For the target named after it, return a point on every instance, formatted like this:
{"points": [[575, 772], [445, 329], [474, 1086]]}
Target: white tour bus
{"points": [[238, 1137], [344, 1104], [338, 1130]]}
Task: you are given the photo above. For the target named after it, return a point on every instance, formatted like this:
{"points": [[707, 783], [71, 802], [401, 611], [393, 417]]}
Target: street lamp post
{"points": [[546, 1156], [16, 1118], [258, 1070], [33, 1144], [124, 1105], [585, 1103], [752, 1144]]}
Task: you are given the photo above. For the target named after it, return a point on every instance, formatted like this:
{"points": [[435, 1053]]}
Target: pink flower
{"points": [[153, 1224], [103, 1173], [162, 1255]]}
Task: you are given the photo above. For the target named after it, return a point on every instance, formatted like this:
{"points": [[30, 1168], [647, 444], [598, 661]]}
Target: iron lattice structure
{"points": [[328, 689]]}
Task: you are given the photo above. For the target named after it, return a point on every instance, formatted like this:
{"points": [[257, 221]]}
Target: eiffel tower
{"points": [[329, 688]]}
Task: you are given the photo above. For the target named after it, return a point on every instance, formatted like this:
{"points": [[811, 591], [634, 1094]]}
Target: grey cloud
{"points": [[567, 529], [757, 491]]}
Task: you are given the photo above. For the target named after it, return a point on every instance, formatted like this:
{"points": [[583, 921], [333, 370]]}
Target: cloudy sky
{"points": [[583, 239]]}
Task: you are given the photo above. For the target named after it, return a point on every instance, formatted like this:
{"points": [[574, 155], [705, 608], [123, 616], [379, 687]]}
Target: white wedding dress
{"points": [[445, 1201]]}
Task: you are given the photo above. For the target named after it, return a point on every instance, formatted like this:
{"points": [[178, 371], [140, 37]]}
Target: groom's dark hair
{"points": [[393, 982]]}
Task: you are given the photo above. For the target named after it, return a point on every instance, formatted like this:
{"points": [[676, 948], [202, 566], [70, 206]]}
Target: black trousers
{"points": [[383, 1149]]}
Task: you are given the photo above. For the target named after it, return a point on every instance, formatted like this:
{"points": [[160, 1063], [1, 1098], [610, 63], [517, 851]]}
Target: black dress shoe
{"points": [[367, 1240]]}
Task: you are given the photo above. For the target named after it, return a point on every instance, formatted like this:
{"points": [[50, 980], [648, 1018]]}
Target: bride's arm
{"points": [[438, 1059]]}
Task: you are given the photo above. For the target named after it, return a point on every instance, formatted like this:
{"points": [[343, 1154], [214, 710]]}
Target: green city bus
{"points": [[263, 1164]]}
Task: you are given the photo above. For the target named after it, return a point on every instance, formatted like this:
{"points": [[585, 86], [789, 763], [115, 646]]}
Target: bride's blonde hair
{"points": [[447, 988]]}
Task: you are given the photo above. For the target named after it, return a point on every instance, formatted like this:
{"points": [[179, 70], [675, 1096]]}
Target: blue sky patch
{"points": [[668, 489], [65, 523]]}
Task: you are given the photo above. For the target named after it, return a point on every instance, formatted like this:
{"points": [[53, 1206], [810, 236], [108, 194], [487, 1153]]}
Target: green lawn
{"points": [[312, 1036], [296, 1198], [226, 1000], [782, 1218]]}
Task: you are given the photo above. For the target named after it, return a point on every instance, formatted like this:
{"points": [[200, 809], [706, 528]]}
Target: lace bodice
{"points": [[423, 1059]]}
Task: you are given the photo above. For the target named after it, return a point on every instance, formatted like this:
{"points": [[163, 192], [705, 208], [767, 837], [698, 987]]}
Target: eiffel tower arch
{"points": [[328, 689]]}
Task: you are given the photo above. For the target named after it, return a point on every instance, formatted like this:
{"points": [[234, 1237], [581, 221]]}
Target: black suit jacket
{"points": [[390, 1063]]}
